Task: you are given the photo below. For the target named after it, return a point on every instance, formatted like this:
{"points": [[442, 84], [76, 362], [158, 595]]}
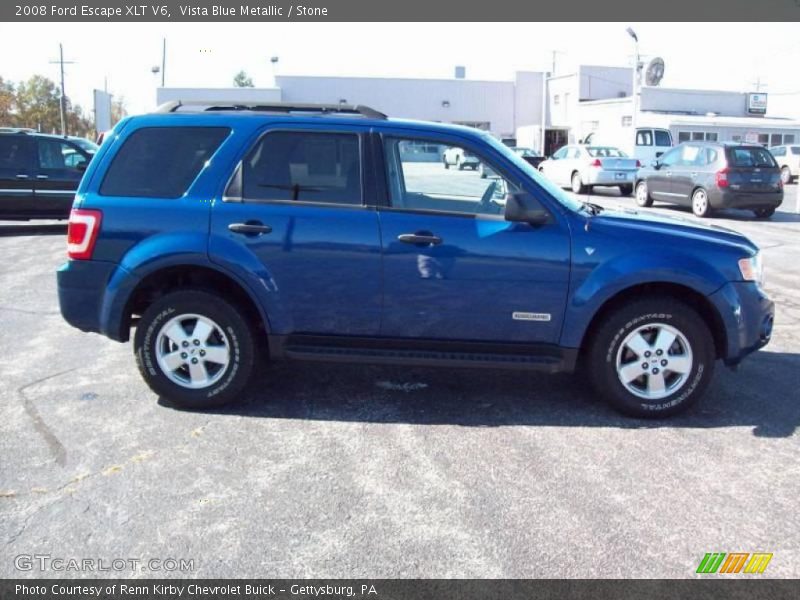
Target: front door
{"points": [[59, 168], [16, 175], [453, 268], [659, 181], [294, 223]]}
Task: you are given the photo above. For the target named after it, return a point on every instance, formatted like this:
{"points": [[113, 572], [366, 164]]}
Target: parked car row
{"points": [[702, 175]]}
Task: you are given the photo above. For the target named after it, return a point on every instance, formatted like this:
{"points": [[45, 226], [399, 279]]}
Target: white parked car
{"points": [[648, 144], [460, 158], [788, 159], [582, 167]]}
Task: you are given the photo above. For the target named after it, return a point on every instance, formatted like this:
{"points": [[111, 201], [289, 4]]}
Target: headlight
{"points": [[752, 269]]}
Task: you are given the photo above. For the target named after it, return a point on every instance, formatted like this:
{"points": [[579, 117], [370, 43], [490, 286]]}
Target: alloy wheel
{"points": [[192, 351]]}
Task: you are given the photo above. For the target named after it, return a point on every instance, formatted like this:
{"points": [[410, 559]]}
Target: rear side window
{"points": [[663, 138], [15, 152], [751, 157], [161, 162], [303, 166]]}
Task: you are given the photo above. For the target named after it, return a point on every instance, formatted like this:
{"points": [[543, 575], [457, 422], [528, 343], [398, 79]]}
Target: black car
{"points": [[39, 174], [711, 175]]}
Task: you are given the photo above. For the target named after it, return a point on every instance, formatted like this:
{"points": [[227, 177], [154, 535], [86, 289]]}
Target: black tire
{"points": [[607, 340], [446, 164], [576, 184], [626, 190], [643, 197], [241, 348], [459, 164], [764, 213], [701, 207]]}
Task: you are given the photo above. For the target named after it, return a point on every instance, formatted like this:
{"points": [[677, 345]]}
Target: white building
{"points": [[565, 107]]}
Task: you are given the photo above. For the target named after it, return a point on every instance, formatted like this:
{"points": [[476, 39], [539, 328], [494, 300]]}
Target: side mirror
{"points": [[81, 166], [524, 208], [655, 164]]}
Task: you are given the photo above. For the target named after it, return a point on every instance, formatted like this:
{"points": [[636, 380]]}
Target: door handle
{"points": [[22, 176], [668, 174], [41, 177], [694, 174], [421, 238], [250, 228]]}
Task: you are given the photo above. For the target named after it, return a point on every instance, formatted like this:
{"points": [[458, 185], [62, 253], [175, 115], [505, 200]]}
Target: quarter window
{"points": [[161, 162], [305, 167], [429, 186]]}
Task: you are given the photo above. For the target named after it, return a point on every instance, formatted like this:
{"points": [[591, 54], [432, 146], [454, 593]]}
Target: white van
{"points": [[651, 142]]}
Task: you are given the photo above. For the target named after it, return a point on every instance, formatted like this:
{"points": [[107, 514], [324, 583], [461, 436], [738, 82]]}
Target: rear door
{"points": [[752, 169], [16, 175], [59, 167], [691, 168], [295, 217]]}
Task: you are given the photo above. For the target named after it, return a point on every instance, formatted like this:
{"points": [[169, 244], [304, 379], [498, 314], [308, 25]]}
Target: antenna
{"points": [[654, 72]]}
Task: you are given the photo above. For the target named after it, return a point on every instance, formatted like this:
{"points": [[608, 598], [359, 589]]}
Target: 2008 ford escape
{"points": [[334, 233]]}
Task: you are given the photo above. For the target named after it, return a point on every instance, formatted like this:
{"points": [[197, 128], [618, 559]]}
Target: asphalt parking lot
{"points": [[352, 471]]}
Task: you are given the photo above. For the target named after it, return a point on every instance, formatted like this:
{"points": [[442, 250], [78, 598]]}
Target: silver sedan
{"points": [[582, 167]]}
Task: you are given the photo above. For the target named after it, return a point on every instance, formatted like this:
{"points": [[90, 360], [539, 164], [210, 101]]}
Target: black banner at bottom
{"points": [[397, 589]]}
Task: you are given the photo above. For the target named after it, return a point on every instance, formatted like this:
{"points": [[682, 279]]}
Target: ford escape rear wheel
{"points": [[194, 349], [652, 358]]}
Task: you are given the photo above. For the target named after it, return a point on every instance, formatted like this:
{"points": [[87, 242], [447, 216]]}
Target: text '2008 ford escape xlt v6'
{"points": [[321, 231]]}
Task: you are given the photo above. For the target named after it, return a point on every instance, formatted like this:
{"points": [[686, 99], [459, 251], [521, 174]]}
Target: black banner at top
{"points": [[398, 10]]}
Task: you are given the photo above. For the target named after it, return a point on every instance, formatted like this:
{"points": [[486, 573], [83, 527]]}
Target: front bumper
{"points": [[747, 314]]}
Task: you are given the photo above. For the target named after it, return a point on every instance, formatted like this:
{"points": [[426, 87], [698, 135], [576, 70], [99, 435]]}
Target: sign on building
{"points": [[757, 104], [102, 111]]}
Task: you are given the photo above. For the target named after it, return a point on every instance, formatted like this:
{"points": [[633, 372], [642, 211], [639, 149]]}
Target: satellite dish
{"points": [[655, 71]]}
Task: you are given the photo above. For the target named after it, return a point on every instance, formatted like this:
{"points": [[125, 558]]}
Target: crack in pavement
{"points": [[57, 449], [48, 313]]}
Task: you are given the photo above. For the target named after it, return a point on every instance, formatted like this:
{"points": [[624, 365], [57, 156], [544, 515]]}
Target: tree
{"points": [[241, 79], [38, 104], [8, 103], [118, 110]]}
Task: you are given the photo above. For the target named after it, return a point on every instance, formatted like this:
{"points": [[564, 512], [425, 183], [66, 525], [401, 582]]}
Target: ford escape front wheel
{"points": [[194, 349], [652, 358]]}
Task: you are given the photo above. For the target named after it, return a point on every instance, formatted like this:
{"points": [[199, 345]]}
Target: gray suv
{"points": [[713, 175]]}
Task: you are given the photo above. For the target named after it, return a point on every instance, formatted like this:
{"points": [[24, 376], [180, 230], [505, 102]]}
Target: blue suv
{"points": [[228, 236]]}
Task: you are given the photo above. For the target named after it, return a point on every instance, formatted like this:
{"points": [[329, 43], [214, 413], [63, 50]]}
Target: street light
{"points": [[635, 89]]}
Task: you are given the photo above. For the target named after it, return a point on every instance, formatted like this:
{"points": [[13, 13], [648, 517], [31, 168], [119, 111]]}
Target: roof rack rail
{"points": [[17, 130], [283, 107]]}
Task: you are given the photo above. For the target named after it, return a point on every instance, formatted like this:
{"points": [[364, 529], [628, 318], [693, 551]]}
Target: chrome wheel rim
{"points": [[192, 351], [654, 361], [641, 194], [700, 202]]}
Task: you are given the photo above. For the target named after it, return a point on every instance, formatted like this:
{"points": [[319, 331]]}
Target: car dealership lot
{"points": [[348, 471]]}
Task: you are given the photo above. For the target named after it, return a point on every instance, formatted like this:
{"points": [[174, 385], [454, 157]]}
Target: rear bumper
{"points": [[601, 177], [747, 314], [735, 199], [82, 286]]}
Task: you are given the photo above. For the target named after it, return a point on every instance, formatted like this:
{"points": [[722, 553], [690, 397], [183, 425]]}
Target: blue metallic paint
{"points": [[326, 269]]}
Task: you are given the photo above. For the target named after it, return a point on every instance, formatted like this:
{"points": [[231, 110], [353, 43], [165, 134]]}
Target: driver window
{"points": [[427, 175], [671, 158]]}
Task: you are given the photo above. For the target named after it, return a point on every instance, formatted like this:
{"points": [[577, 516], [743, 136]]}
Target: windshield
{"points": [[539, 179], [85, 144], [605, 152]]}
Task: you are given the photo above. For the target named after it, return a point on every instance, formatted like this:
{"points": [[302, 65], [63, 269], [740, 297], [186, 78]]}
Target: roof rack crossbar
{"points": [[285, 107]]}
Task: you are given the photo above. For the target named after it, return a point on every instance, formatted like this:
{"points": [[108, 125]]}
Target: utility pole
{"points": [[758, 85], [62, 62], [163, 61], [636, 83]]}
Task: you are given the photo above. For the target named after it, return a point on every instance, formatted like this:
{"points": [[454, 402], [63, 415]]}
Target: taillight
{"points": [[638, 164], [596, 163], [722, 178], [84, 225]]}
